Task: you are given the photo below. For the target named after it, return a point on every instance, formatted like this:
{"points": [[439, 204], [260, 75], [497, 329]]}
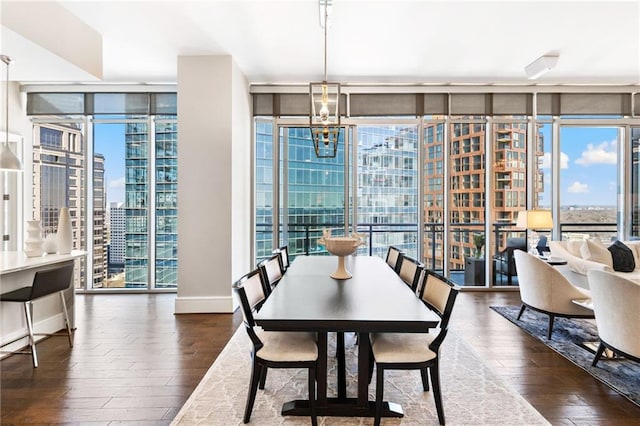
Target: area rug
{"points": [[472, 393], [569, 335]]}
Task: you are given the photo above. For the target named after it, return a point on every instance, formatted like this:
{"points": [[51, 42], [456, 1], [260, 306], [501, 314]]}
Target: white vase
{"points": [[49, 245], [33, 243], [63, 236]]}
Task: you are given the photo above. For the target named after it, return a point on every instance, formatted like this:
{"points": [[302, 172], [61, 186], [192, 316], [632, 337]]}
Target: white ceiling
{"points": [[384, 41]]}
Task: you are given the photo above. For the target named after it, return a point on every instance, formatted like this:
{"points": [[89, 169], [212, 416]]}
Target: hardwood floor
{"points": [[135, 362]]}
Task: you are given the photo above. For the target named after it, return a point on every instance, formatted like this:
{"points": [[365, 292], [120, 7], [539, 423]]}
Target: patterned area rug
{"points": [[472, 393], [568, 338]]}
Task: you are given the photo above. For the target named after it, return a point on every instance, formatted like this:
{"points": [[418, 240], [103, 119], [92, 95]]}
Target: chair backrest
{"points": [[284, 256], [51, 281], [421, 280], [410, 270], [439, 294], [616, 302], [250, 289], [394, 258], [272, 271]]}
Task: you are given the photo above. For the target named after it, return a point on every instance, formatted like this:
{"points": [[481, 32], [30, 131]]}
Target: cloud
{"points": [[605, 153], [545, 161], [578, 188], [117, 183]]}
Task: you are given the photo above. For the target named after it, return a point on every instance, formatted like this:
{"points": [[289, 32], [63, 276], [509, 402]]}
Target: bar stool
{"points": [[45, 283]]}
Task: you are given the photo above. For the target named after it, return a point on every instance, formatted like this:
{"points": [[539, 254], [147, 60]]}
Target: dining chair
{"points": [[273, 349], [394, 258], [615, 304], [45, 283], [284, 256], [409, 271], [272, 272], [416, 351]]}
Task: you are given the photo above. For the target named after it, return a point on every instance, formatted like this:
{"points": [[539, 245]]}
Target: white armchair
{"points": [[544, 289], [615, 303]]}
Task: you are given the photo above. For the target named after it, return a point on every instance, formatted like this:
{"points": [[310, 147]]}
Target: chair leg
{"points": [[371, 363], [379, 394], [425, 379], [28, 308], [522, 308], [263, 377], [437, 395], [551, 318], [599, 352], [256, 369], [312, 396], [66, 318]]}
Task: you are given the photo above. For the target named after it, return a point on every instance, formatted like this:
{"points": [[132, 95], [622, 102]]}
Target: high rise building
{"points": [[117, 242], [466, 187], [99, 224], [138, 206]]}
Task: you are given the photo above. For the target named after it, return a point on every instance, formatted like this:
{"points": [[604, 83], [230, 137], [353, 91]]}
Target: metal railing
{"points": [[380, 236]]}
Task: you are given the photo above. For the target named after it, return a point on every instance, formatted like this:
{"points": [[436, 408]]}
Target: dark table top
{"points": [[374, 299]]}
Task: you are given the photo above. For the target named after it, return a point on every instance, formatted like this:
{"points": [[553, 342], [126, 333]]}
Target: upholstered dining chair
{"points": [[394, 258], [410, 270], [416, 351], [544, 289], [272, 271], [273, 349], [615, 303], [284, 256], [45, 283]]}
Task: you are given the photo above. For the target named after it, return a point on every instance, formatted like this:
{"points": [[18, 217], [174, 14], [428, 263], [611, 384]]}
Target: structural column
{"points": [[214, 182]]}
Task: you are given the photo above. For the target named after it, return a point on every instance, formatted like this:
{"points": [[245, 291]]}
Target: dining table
{"points": [[374, 300]]}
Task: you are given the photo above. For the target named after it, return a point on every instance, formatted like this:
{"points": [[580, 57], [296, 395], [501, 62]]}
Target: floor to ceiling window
{"points": [[589, 182], [118, 175], [447, 179], [387, 187]]}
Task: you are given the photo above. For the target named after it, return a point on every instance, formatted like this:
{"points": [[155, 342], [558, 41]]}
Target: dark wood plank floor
{"points": [[136, 362]]}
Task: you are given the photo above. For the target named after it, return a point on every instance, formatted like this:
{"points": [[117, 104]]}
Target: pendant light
{"points": [[8, 160], [324, 119]]}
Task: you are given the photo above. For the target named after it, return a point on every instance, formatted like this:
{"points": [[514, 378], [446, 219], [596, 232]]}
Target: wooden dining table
{"points": [[375, 299]]}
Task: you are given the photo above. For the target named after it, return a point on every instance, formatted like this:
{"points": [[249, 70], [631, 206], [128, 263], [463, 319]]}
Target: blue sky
{"points": [[587, 176], [109, 141], [588, 171]]}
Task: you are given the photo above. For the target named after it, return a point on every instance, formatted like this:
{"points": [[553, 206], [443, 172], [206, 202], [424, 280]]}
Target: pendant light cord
{"points": [[6, 60], [326, 24]]}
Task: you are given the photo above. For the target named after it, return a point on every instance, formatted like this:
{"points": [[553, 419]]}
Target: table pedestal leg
{"points": [[342, 375]]}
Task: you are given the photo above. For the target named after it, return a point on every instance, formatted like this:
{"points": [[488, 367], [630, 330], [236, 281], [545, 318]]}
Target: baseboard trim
{"points": [[204, 305]]}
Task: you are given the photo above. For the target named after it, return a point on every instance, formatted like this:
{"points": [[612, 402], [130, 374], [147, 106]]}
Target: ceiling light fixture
{"points": [[324, 119], [8, 160], [540, 66]]}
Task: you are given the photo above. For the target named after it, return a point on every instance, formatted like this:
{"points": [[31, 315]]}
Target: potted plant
{"points": [[478, 242]]}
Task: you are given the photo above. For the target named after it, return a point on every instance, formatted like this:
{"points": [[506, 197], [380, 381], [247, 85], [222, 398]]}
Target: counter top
{"points": [[14, 261]]}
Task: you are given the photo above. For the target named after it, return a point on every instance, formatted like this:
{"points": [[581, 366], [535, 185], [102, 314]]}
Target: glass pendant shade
{"points": [[324, 120]]}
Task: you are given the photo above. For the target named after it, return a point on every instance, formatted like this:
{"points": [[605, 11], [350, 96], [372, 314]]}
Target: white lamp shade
{"points": [[8, 160], [535, 219]]}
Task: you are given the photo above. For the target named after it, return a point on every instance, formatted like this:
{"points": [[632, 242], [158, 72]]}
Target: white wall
{"points": [[214, 118]]}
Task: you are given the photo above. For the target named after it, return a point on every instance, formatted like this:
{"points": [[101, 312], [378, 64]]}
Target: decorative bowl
{"points": [[341, 247]]}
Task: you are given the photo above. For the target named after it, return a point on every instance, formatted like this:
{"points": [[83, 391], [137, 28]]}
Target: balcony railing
{"points": [[405, 236]]}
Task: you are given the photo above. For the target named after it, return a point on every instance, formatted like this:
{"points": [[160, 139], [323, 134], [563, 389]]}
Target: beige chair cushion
{"points": [[402, 347], [287, 346], [573, 247], [595, 251]]}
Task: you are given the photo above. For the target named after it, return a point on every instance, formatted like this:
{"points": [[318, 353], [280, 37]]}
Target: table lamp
{"points": [[534, 220]]}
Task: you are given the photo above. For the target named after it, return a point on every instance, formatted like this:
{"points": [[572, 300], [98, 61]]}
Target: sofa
{"points": [[585, 255]]}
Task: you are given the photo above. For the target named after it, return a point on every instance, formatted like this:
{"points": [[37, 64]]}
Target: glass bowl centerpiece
{"points": [[341, 247]]}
